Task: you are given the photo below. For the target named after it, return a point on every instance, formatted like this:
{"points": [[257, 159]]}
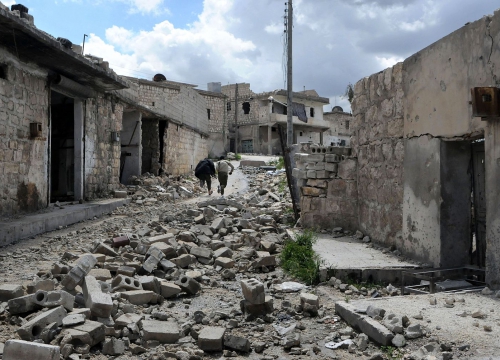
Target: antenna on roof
{"points": [[83, 47]]}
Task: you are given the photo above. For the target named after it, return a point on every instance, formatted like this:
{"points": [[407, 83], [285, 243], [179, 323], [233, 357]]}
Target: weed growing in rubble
{"points": [[391, 352], [299, 259], [279, 163], [282, 185]]}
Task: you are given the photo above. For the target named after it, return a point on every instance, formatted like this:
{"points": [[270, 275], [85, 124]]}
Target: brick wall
{"points": [[102, 156], [378, 145], [23, 160]]}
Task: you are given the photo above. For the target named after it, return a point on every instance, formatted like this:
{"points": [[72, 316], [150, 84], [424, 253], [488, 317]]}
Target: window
{"points": [[228, 106], [153, 103], [208, 113], [311, 112], [246, 107], [3, 71], [347, 124], [272, 109], [300, 133], [273, 129]]}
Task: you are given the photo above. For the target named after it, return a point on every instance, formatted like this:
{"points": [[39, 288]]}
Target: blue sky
{"points": [[336, 42]]}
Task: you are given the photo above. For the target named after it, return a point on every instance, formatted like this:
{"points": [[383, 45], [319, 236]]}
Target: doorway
{"points": [[62, 148], [478, 233]]}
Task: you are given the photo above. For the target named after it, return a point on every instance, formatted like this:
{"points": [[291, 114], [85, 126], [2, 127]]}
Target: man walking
{"points": [[204, 171], [223, 172]]}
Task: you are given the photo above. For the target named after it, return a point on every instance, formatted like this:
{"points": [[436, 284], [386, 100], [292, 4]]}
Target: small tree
{"points": [[349, 93]]}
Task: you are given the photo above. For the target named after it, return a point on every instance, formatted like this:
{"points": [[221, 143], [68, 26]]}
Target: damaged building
{"points": [[423, 173], [254, 118]]}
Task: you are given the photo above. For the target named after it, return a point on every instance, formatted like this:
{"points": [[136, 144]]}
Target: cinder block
{"points": [[95, 330], [332, 158], [104, 249], [166, 332], [10, 291], [19, 349], [311, 174], [138, 297], [311, 299], [122, 283], [50, 299], [150, 283], [126, 319], [101, 274], [200, 252], [169, 289], [79, 271], [332, 167], [316, 158], [47, 285], [211, 338], [322, 174], [265, 259], [22, 305], [113, 346], [237, 343], [223, 252], [225, 263], [184, 260], [99, 303], [154, 256], [253, 291], [33, 328], [258, 309], [188, 285]]}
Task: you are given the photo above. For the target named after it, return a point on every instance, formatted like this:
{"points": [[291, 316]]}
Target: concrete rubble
{"points": [[186, 280]]}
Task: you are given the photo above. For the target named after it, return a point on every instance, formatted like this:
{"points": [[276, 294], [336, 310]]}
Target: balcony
{"points": [[312, 123]]}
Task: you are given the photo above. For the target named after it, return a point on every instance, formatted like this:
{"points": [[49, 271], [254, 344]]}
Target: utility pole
{"points": [[236, 121], [224, 125], [289, 79]]}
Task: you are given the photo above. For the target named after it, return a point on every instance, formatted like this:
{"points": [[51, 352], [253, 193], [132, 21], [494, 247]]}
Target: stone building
{"points": [[425, 162], [340, 130], [59, 123], [173, 133], [260, 114], [216, 103]]}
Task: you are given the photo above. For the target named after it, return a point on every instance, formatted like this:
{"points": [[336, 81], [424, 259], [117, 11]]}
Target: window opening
{"points": [[300, 133], [228, 106], [311, 112], [246, 107], [208, 113], [347, 124], [3, 71], [273, 129]]}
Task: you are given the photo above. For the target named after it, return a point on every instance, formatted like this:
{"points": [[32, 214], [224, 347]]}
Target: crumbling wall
{"points": [[150, 146], [217, 123], [23, 159], [183, 150], [103, 115], [378, 146], [326, 177]]}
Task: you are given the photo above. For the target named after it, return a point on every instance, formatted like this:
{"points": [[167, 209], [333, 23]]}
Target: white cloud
{"points": [[386, 62], [274, 28], [8, 3]]}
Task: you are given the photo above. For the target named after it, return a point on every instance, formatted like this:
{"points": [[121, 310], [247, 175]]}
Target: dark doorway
{"points": [[478, 251], [162, 128], [150, 146], [231, 145], [62, 148]]}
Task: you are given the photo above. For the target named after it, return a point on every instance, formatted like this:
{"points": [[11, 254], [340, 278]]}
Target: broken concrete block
{"points": [[126, 270], [122, 283], [154, 256], [33, 287], [291, 340], [186, 236], [311, 299], [50, 299], [188, 285], [34, 327], [22, 305], [223, 252], [150, 283], [265, 259], [169, 289], [100, 274], [217, 224], [166, 332], [79, 271], [375, 312], [113, 346], [253, 291], [94, 329], [10, 291], [237, 343], [258, 309], [99, 303], [104, 249], [414, 331], [201, 252], [126, 319], [225, 263], [73, 319], [211, 338], [19, 349], [138, 297], [184, 260]]}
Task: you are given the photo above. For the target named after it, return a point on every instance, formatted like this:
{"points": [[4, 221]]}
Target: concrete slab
{"points": [[31, 225], [448, 324], [348, 257]]}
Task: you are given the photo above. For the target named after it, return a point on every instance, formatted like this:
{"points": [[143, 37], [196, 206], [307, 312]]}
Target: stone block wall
{"points": [[23, 159], [328, 186], [102, 155], [378, 146], [183, 150], [150, 146]]}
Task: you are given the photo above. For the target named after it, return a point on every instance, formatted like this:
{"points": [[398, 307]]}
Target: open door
{"points": [[479, 203]]}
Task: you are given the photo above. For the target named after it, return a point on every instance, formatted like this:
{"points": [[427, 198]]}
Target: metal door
{"points": [[479, 202], [247, 146]]}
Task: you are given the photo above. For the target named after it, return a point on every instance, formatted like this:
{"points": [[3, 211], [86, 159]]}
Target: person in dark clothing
{"points": [[204, 171]]}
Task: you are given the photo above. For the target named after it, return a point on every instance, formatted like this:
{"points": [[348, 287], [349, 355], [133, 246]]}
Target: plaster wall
{"points": [[183, 150]]}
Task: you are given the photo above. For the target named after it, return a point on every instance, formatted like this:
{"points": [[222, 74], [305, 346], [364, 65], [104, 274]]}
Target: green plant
{"points": [[299, 259], [238, 157], [391, 352], [282, 185], [346, 299], [279, 163]]}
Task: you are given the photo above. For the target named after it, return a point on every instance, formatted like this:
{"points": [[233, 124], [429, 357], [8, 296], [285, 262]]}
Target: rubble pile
{"points": [[183, 280]]}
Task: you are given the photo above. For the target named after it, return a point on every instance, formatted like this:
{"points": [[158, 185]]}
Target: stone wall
{"points": [[150, 146], [183, 150], [378, 145], [327, 181], [102, 155], [217, 123], [23, 159]]}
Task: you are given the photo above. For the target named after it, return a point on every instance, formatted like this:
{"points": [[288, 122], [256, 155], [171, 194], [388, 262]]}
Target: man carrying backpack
{"points": [[223, 172], [204, 171]]}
